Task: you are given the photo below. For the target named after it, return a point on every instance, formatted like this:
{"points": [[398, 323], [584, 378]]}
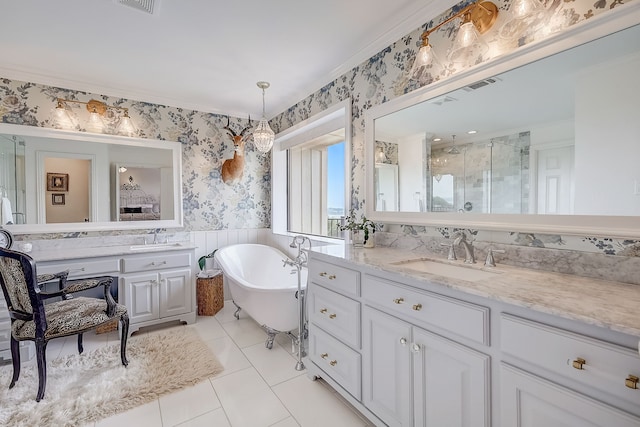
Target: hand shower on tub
{"points": [[299, 262]]}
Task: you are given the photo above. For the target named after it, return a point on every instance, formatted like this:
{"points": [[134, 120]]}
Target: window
{"points": [[310, 174]]}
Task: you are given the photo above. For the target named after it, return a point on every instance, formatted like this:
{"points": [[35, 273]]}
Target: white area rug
{"points": [[94, 385]]}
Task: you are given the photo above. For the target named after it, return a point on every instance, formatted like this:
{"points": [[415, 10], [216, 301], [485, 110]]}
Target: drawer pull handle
{"points": [[332, 316], [632, 382], [333, 363], [158, 263], [324, 355], [403, 341], [323, 274], [323, 310], [417, 307], [332, 276], [579, 363], [398, 300]]}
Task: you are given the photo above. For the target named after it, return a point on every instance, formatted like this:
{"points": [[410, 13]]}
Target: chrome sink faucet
{"points": [[461, 239]]}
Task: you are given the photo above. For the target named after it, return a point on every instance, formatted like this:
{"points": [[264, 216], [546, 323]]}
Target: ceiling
{"points": [[203, 55]]}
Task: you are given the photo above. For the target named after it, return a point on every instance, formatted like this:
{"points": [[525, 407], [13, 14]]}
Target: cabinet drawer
{"points": [[459, 317], [336, 359], [155, 262], [336, 314], [604, 366], [84, 268], [334, 277]]}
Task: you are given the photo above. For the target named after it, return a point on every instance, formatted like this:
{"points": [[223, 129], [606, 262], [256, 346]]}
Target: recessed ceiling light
{"points": [[471, 132], [437, 139]]}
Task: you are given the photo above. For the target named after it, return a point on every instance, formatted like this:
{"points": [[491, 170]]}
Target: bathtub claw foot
{"points": [[237, 312], [271, 335]]}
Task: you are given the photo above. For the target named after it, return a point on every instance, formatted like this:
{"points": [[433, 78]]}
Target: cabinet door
{"points": [[386, 375], [141, 296], [176, 292], [530, 401], [450, 383]]}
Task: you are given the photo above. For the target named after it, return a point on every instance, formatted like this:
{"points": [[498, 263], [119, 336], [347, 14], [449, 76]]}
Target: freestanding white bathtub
{"points": [[262, 285]]}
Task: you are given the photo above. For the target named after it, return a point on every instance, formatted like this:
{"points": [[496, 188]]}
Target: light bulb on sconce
{"points": [[478, 18], [380, 156], [526, 18], [96, 121]]}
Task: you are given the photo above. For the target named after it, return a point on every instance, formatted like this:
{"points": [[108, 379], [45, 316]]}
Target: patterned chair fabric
{"points": [[32, 319]]}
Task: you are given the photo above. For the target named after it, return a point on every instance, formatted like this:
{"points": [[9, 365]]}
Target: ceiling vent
{"points": [[143, 5], [442, 100], [481, 83]]}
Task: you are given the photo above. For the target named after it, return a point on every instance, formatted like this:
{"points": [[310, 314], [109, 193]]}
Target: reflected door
{"points": [[555, 181], [386, 179]]}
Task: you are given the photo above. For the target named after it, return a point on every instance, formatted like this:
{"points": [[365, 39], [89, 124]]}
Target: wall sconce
{"points": [[97, 110], [527, 15], [263, 136], [380, 156], [477, 18]]}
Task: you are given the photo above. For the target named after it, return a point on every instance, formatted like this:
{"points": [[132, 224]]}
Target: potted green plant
{"points": [[202, 261], [364, 226]]}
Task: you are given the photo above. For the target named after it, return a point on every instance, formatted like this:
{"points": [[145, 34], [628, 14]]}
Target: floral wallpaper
{"points": [[208, 203], [386, 75]]}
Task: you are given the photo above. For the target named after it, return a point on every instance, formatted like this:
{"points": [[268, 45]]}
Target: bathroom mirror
{"points": [[542, 139], [60, 181]]}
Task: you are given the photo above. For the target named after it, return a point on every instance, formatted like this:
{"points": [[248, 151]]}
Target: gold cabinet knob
{"points": [[398, 300], [323, 310], [333, 363], [332, 276], [579, 363], [324, 355], [417, 307], [323, 274], [632, 382], [332, 316]]}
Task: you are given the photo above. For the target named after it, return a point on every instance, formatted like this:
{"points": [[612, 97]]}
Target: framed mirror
{"points": [[59, 181], [544, 139]]}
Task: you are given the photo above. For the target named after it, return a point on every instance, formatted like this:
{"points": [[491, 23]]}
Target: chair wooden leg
{"points": [[41, 357], [124, 322], [15, 358], [80, 347]]}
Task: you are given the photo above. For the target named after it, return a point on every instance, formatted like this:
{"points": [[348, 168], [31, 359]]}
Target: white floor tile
{"points": [[216, 418], [245, 332], [147, 415], [312, 404], [188, 403], [289, 422], [208, 327], [275, 365], [248, 400], [228, 353]]}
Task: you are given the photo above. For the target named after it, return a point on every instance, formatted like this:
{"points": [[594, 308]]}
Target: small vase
{"points": [[370, 243], [357, 238]]}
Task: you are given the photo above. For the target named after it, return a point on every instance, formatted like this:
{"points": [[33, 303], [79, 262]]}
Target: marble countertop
{"points": [[602, 303], [61, 254]]}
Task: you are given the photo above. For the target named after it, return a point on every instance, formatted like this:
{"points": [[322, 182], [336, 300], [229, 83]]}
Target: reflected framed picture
{"points": [[57, 199], [57, 181]]}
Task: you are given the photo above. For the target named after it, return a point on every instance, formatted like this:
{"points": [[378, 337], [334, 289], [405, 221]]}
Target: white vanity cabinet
{"points": [[548, 370], [412, 376], [157, 288]]}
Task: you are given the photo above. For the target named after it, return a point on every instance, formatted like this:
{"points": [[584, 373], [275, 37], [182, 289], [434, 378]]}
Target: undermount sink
{"points": [[150, 246], [454, 271]]}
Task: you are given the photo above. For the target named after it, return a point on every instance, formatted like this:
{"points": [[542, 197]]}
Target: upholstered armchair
{"points": [[33, 320]]}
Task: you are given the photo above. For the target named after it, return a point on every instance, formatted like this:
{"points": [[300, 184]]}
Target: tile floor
{"points": [[258, 387]]}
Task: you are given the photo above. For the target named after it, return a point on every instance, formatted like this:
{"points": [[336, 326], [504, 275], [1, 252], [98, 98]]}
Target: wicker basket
{"points": [[210, 294]]}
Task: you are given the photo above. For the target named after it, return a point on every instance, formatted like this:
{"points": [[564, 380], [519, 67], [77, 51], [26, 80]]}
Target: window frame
{"points": [[333, 118]]}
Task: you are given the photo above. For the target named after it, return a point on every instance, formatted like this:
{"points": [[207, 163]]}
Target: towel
{"points": [[6, 216]]}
